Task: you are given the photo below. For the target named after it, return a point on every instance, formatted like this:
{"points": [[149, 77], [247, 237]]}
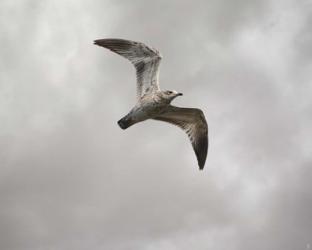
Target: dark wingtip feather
{"points": [[114, 44], [201, 151], [99, 42], [95, 42]]}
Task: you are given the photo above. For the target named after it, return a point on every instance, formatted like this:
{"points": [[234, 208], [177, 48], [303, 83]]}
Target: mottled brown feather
{"points": [[193, 122]]}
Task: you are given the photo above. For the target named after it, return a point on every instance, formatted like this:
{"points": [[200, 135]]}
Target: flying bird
{"points": [[154, 103]]}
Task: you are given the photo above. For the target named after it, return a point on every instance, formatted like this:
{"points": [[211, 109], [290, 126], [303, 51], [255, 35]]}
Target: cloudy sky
{"points": [[71, 179]]}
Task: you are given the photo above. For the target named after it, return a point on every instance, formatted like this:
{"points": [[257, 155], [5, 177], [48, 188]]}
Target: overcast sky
{"points": [[71, 179]]}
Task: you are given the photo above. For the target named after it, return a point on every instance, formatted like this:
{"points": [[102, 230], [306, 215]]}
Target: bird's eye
{"points": [[169, 92]]}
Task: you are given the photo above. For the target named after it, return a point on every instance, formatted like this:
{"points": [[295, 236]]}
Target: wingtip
{"points": [[100, 42], [202, 152], [202, 162], [96, 42]]}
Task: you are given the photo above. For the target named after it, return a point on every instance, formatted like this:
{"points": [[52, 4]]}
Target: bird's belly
{"points": [[147, 111], [153, 109]]}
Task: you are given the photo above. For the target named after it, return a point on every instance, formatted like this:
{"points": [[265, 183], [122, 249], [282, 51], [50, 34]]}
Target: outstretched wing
{"points": [[146, 61], [193, 122]]}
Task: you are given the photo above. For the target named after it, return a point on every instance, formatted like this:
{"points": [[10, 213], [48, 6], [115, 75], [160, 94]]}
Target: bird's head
{"points": [[169, 95]]}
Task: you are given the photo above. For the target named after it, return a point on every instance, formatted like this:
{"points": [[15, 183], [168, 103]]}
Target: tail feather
{"points": [[125, 122]]}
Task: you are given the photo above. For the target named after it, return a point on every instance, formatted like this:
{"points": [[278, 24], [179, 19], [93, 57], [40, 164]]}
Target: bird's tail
{"points": [[125, 122]]}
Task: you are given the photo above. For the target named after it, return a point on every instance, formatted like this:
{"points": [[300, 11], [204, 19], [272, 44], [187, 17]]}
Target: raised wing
{"points": [[193, 122], [146, 61]]}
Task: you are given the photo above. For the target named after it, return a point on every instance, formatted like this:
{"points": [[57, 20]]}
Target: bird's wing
{"points": [[193, 122], [146, 61]]}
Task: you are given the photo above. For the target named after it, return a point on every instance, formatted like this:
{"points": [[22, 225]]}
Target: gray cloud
{"points": [[71, 179]]}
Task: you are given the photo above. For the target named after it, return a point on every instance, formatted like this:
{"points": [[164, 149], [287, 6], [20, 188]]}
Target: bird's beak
{"points": [[179, 94]]}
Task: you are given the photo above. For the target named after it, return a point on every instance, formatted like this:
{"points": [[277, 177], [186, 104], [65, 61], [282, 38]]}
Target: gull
{"points": [[154, 103]]}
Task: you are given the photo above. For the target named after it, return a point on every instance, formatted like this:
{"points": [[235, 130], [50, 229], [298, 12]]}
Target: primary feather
{"points": [[145, 60]]}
